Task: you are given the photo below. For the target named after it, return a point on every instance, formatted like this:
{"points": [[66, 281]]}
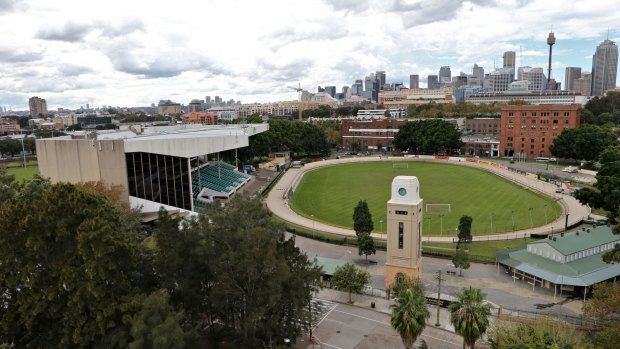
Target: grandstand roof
{"points": [[187, 140]]}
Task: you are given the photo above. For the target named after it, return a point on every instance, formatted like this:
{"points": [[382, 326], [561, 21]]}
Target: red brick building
{"points": [[200, 117], [530, 129], [370, 134]]}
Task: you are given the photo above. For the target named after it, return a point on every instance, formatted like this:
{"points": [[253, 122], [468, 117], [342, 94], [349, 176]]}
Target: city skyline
{"points": [[72, 54]]}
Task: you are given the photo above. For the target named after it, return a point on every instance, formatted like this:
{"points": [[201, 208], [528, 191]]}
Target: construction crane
{"points": [[299, 91]]}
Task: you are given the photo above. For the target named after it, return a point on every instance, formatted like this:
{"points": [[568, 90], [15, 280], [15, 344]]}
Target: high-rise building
{"points": [[208, 99], [604, 67], [445, 76], [499, 80], [380, 76], [478, 72], [369, 82], [330, 90], [570, 75], [432, 82], [583, 85], [535, 76], [218, 100], [346, 92], [414, 81], [38, 107], [357, 88], [510, 58]]}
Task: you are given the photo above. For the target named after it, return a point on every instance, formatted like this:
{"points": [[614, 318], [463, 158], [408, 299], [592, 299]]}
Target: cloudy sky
{"points": [[134, 53]]}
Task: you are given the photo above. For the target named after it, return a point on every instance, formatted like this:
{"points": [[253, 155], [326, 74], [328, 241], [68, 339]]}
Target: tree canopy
{"points": [[350, 278], [362, 218], [460, 259], [366, 245], [464, 229], [409, 314], [604, 307], [428, 137], [584, 143], [470, 315]]}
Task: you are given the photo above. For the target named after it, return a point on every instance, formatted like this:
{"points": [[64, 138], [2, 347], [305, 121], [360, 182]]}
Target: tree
{"points": [[387, 113], [234, 272], [366, 245], [584, 143], [156, 325], [71, 270], [460, 259], [604, 308], [606, 194], [428, 137], [470, 315], [409, 314], [362, 219], [351, 279], [464, 228]]}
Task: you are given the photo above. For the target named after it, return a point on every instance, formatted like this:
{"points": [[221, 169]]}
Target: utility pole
{"points": [[310, 322], [438, 296]]}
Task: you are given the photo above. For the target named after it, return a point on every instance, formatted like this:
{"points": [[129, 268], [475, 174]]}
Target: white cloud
{"points": [[126, 53]]}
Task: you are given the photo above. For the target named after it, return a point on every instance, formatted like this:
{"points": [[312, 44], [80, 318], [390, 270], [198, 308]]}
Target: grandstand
{"points": [[165, 166]]}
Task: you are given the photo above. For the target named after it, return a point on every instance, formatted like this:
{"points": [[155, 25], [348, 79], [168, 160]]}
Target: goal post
{"points": [[438, 208], [400, 165]]}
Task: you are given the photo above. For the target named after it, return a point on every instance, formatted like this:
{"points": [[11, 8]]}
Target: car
{"points": [[553, 159], [559, 190], [570, 169]]}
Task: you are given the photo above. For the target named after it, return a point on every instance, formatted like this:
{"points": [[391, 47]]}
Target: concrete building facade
{"points": [[483, 126], [37, 106], [510, 59], [529, 130], [406, 97], [583, 85], [570, 75], [414, 81], [168, 107], [432, 82], [404, 230]]}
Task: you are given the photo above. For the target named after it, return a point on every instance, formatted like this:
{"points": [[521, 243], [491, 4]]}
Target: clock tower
{"points": [[404, 230]]}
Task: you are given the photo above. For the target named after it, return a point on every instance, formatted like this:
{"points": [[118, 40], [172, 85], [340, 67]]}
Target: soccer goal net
{"points": [[400, 165], [438, 208]]}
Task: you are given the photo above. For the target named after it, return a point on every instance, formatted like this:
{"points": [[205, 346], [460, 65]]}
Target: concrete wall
{"points": [[80, 161]]}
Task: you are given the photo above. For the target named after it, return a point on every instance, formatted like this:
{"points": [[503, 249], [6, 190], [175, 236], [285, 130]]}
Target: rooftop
{"points": [[579, 240]]}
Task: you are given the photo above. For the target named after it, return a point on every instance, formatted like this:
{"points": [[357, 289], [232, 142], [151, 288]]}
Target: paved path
{"points": [[277, 200]]}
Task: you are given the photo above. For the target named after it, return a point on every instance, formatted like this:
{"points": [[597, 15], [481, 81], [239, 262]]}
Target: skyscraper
{"points": [[604, 67], [432, 82], [583, 85], [380, 75], [330, 90], [510, 59], [357, 88], [478, 72], [38, 107], [571, 74], [445, 75], [536, 77], [414, 81]]}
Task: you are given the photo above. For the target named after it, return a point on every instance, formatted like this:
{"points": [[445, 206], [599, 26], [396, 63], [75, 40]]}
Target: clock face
{"points": [[402, 191]]}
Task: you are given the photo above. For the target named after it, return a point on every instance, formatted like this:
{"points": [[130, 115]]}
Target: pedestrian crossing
{"points": [[319, 309]]}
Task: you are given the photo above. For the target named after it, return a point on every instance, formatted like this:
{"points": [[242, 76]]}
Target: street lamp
{"points": [[381, 222], [492, 230], [312, 221], [531, 221], [513, 219], [546, 222], [429, 223]]}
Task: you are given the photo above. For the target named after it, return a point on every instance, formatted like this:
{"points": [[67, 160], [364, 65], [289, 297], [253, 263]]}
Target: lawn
{"points": [[20, 173], [483, 248], [329, 195]]}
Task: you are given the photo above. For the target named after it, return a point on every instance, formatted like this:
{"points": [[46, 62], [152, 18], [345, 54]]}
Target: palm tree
{"points": [[469, 315], [409, 315]]}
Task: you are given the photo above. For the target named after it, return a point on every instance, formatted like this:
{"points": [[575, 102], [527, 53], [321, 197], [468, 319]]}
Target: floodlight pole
{"points": [[546, 222], [531, 221], [492, 230], [441, 224], [438, 296], [513, 219], [23, 152]]}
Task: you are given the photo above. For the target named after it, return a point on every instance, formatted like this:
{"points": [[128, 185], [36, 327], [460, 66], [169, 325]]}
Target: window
{"points": [[511, 114], [534, 114], [555, 113], [401, 232], [404, 213], [555, 121]]}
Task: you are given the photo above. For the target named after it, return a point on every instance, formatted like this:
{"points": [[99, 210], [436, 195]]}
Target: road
{"points": [[348, 327], [499, 287], [543, 167]]}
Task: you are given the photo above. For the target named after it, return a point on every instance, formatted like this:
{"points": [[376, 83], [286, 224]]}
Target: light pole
{"points": [[381, 222], [546, 222], [531, 221], [492, 230], [513, 219], [312, 221], [23, 152], [438, 296], [429, 223]]}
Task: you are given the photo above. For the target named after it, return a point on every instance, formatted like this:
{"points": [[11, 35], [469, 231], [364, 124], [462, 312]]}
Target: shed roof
{"points": [[579, 240]]}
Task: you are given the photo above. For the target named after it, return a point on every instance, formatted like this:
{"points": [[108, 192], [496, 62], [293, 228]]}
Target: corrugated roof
{"points": [[579, 240], [329, 265], [582, 272]]}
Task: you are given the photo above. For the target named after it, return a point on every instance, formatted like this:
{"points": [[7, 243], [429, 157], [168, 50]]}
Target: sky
{"points": [[134, 53]]}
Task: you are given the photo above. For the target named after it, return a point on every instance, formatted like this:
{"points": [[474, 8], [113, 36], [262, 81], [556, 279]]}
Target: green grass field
{"points": [[20, 173], [482, 248], [330, 194]]}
